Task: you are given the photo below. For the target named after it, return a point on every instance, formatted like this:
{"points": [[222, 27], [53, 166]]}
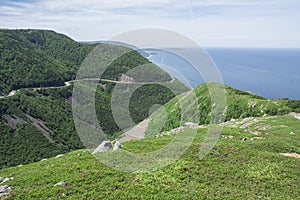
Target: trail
{"points": [[136, 133]]}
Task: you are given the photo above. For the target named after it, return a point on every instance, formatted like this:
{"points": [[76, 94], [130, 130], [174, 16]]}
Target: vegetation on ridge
{"points": [[32, 58], [234, 169], [239, 104]]}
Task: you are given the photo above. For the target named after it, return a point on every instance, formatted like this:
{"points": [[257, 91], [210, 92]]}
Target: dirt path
{"points": [[136, 133]]}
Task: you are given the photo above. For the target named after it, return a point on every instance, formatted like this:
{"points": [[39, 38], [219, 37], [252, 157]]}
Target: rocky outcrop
{"points": [[126, 79], [104, 146], [117, 146], [4, 189], [296, 115], [12, 121], [191, 125], [60, 183], [107, 146], [40, 125]]}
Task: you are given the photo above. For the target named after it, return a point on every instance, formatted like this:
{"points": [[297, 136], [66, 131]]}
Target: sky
{"points": [[210, 23]]}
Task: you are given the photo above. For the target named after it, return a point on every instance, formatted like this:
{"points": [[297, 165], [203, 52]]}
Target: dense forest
{"points": [[38, 123], [32, 58]]}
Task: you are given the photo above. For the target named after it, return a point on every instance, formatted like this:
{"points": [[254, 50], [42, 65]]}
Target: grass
{"points": [[199, 108], [234, 169]]}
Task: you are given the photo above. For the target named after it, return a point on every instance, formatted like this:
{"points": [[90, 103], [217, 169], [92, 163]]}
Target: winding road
{"points": [[14, 92], [68, 83]]}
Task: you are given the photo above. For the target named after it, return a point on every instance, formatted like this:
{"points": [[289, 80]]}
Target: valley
{"points": [[36, 120]]}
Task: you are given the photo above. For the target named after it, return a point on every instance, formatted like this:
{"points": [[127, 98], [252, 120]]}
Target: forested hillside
{"points": [[34, 58], [31, 58], [38, 123]]}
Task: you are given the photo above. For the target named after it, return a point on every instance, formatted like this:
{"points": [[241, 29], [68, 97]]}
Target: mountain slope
{"points": [[34, 58], [31, 58], [38, 123], [235, 169], [239, 104]]}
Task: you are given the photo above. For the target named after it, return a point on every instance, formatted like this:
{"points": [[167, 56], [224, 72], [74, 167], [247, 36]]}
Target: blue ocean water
{"points": [[271, 73]]}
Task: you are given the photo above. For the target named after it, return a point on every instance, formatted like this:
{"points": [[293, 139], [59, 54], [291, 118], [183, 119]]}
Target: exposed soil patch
{"points": [[136, 133], [292, 155]]}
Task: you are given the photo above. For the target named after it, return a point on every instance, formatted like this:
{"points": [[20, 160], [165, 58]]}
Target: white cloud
{"points": [[211, 22]]}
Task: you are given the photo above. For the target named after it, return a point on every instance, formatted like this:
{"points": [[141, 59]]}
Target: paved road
{"points": [[13, 92], [68, 83]]}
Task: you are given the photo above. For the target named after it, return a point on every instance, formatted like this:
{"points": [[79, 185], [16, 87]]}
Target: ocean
{"points": [[271, 73]]}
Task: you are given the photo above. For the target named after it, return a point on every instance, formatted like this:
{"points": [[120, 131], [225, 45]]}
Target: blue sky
{"points": [[233, 23]]}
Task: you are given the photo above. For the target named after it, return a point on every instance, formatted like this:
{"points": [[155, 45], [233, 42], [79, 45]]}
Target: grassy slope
{"points": [[239, 104], [234, 169]]}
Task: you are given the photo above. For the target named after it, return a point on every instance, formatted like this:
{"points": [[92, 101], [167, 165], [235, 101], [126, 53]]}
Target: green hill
{"points": [[31, 58], [34, 58], [38, 123], [239, 104], [235, 169]]}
